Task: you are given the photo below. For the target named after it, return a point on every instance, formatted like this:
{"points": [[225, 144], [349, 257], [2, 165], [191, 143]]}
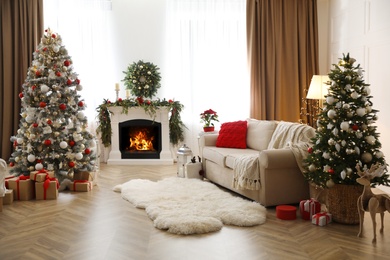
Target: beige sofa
{"points": [[279, 148]]}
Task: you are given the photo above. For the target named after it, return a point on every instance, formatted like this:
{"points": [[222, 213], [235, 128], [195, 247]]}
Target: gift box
{"points": [[47, 190], [8, 197], [80, 185], [286, 212], [308, 208], [40, 176], [321, 219], [23, 188]]}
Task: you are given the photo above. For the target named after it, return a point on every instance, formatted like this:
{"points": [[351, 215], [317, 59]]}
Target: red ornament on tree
{"points": [[67, 63], [310, 150], [42, 104], [81, 104], [87, 151], [21, 95], [71, 164], [71, 143], [331, 171], [62, 106], [37, 73], [47, 142], [69, 82], [33, 87], [355, 127], [11, 164], [35, 125], [49, 122], [53, 36], [58, 74]]}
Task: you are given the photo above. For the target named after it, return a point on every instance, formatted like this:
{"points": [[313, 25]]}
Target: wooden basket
{"points": [[342, 203]]}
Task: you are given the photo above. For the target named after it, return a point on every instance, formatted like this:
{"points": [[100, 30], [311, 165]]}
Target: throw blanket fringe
{"points": [[246, 173]]}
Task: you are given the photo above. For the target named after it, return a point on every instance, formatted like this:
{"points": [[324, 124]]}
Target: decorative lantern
{"points": [[183, 157]]}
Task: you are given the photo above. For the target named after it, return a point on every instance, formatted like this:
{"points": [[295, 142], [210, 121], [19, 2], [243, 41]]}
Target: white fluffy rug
{"points": [[190, 206]]}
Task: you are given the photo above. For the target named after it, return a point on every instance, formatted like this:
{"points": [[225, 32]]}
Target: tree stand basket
{"points": [[342, 203]]}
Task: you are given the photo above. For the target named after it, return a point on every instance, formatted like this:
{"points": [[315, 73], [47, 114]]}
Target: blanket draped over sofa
{"points": [[246, 174]]}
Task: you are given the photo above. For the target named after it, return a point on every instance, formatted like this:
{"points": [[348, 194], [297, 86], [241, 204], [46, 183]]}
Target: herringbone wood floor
{"points": [[101, 225]]}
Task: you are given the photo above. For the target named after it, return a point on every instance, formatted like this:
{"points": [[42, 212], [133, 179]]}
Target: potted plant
{"points": [[346, 137], [207, 118]]}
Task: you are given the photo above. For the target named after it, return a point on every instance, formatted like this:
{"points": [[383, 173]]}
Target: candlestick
{"points": [[117, 86]]}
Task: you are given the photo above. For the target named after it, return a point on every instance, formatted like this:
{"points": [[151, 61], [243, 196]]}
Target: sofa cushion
{"points": [[225, 157], [232, 135], [259, 133]]}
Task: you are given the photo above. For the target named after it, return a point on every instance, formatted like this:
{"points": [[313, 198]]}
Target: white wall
{"points": [[362, 28]]}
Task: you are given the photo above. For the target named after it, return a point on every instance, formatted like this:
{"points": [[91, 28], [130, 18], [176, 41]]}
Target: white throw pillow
{"points": [[259, 133]]}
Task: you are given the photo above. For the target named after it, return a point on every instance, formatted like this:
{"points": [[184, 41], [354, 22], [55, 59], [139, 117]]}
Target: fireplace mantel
{"points": [[161, 116]]}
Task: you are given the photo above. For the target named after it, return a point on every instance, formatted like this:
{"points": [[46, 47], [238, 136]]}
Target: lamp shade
{"points": [[318, 87]]}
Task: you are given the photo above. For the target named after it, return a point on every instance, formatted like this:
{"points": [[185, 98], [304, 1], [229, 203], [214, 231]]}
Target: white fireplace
{"points": [[138, 113]]}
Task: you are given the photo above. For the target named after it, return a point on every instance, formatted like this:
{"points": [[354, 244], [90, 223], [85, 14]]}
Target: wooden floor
{"points": [[101, 225]]}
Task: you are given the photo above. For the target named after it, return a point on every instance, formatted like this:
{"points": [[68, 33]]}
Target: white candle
{"points": [[127, 93], [117, 86]]}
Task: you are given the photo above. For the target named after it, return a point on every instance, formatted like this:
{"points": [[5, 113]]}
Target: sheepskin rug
{"points": [[190, 206]]}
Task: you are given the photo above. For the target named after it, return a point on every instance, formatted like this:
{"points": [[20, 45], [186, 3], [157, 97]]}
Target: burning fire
{"points": [[141, 142]]}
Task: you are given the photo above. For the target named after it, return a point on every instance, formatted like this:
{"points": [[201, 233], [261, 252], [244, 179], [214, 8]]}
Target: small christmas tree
{"points": [[53, 128], [345, 134]]}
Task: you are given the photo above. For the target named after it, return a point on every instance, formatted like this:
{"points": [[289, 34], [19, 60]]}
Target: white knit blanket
{"points": [[293, 136], [246, 172], [287, 135]]}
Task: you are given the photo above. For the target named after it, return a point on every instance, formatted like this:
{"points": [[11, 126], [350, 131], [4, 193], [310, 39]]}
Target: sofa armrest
{"points": [[208, 140], [277, 158]]}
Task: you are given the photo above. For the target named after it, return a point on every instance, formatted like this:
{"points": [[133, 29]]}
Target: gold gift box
{"points": [[51, 193], [40, 176], [8, 197], [80, 185], [23, 189]]}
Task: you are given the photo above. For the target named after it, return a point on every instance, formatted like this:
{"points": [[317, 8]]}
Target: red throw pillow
{"points": [[232, 135]]}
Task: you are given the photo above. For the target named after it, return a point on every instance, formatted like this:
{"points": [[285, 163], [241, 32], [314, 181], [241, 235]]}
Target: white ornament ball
{"points": [[354, 95], [361, 111], [379, 154], [366, 157], [331, 114], [19, 140], [17, 159], [344, 126], [370, 139], [78, 156], [63, 144], [29, 119], [31, 158], [329, 183], [346, 106], [79, 87], [367, 90], [80, 115], [330, 100], [56, 48], [38, 166], [44, 88]]}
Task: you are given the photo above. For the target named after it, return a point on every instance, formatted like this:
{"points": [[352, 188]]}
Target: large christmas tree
{"points": [[346, 134], [53, 131]]}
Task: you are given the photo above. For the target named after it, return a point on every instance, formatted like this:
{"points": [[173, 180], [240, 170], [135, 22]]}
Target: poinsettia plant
{"points": [[207, 118]]}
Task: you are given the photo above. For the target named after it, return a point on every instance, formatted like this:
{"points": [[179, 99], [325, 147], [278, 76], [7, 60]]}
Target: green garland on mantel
{"points": [[176, 125]]}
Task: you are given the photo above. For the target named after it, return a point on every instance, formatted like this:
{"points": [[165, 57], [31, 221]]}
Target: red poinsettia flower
{"points": [[208, 116]]}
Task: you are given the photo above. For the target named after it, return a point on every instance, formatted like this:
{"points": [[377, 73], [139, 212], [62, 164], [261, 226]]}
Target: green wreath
{"points": [[142, 79]]}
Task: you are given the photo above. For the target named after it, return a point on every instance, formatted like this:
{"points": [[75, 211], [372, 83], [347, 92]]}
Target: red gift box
{"points": [[80, 185], [47, 190], [308, 208], [321, 219], [23, 188]]}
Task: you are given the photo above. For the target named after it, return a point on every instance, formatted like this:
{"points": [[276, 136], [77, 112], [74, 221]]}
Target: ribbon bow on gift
{"points": [[46, 184]]}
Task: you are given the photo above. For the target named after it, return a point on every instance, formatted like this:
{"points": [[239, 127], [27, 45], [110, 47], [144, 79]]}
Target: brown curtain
{"points": [[282, 46], [21, 27]]}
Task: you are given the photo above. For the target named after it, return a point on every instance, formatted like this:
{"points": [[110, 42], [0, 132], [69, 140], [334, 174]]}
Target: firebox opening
{"points": [[140, 139]]}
